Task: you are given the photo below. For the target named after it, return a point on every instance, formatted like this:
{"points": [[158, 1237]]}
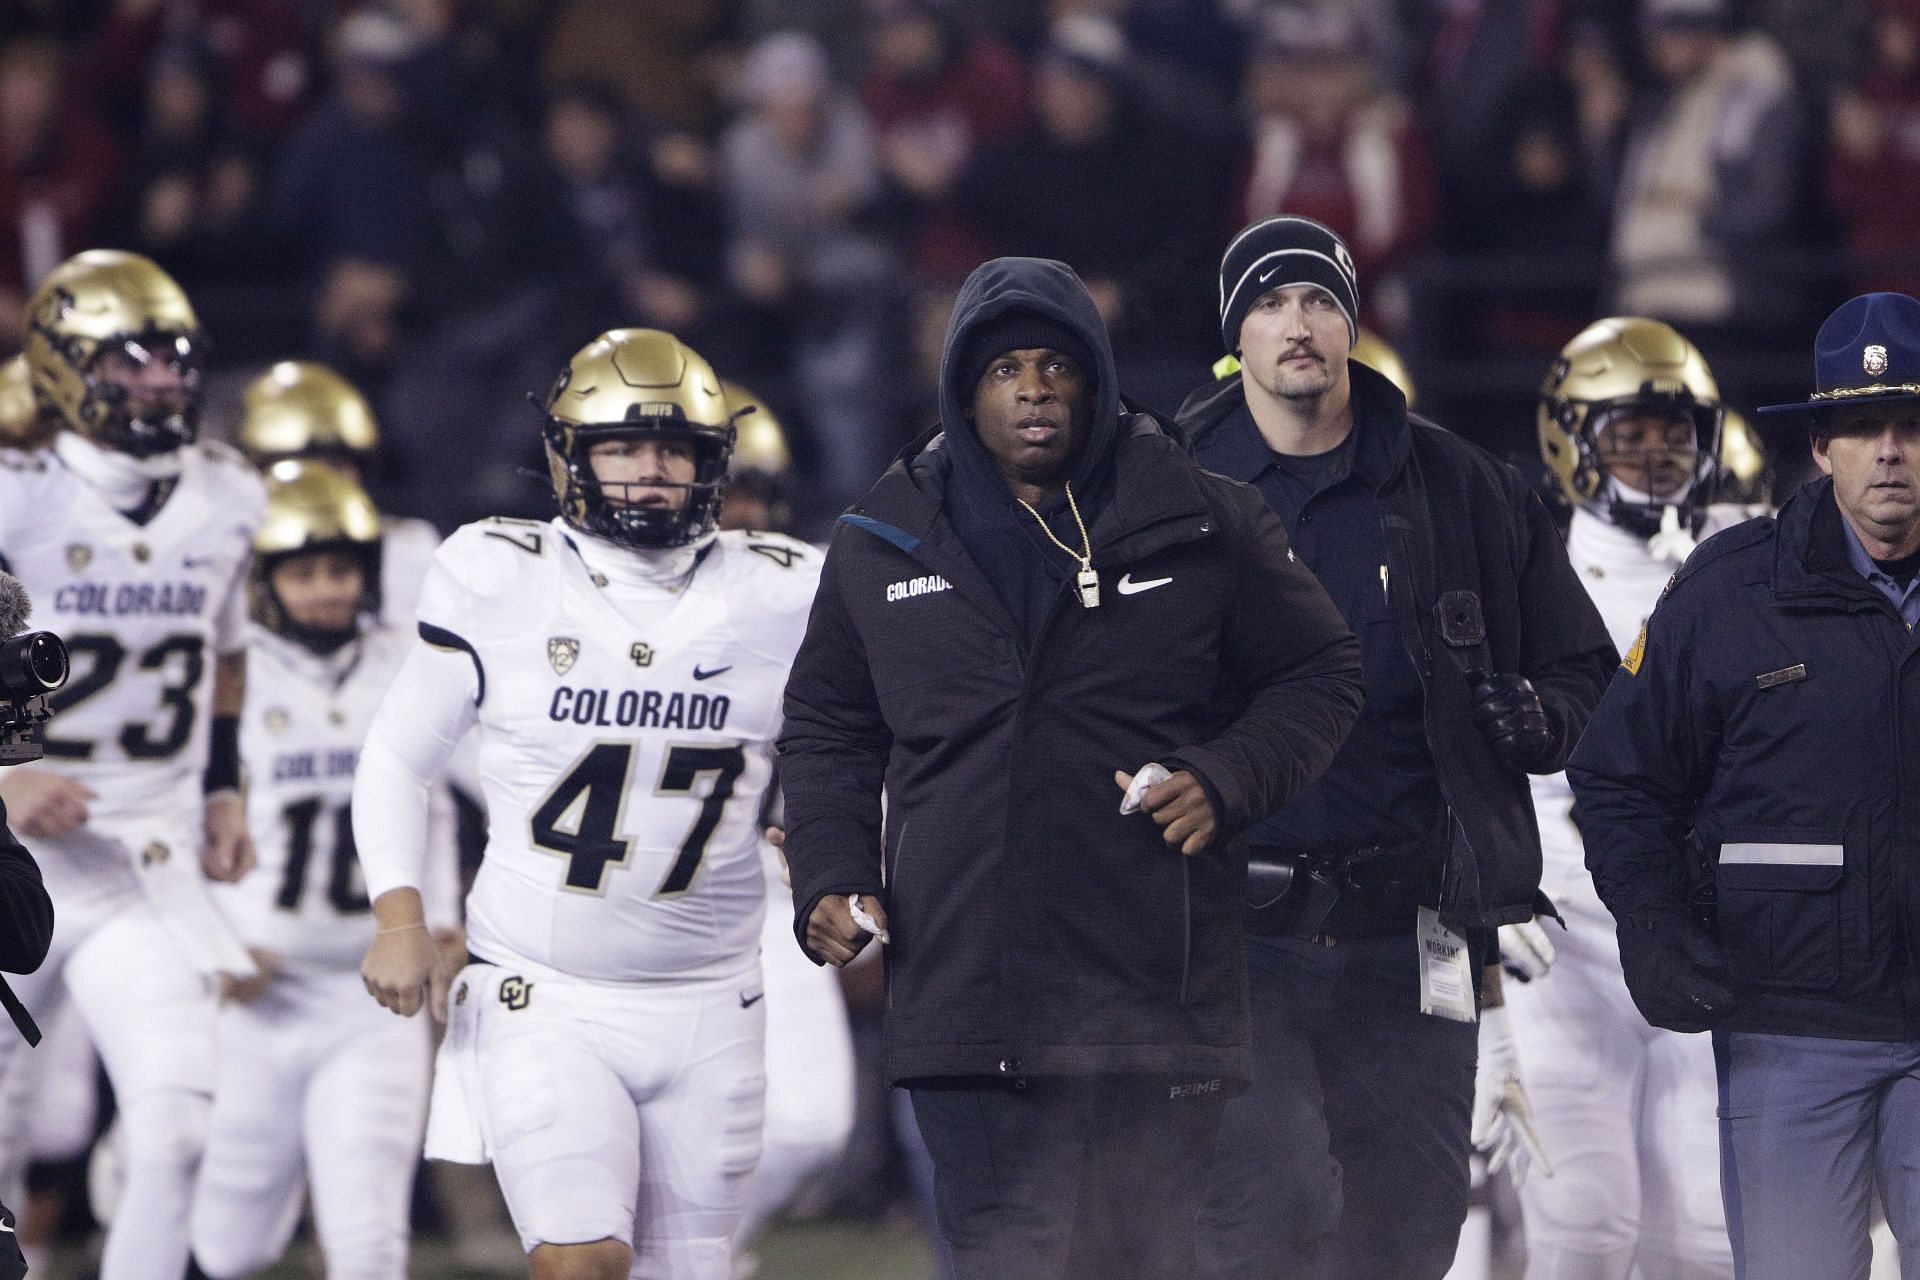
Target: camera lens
{"points": [[47, 659], [32, 664]]}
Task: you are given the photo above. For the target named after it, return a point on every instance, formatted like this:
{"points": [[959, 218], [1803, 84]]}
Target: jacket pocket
{"points": [[1779, 909]]}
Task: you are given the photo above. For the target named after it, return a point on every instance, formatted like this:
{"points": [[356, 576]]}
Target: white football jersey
{"points": [[300, 737], [1625, 580], [622, 770], [407, 547], [144, 610]]}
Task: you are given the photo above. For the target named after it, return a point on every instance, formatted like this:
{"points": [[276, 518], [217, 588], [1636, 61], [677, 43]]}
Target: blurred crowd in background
{"points": [[443, 198]]}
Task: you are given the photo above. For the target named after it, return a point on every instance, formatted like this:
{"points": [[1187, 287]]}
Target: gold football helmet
{"points": [[313, 506], [1627, 364], [298, 409], [115, 352], [1746, 472], [22, 425], [756, 476], [638, 381], [1371, 350]]}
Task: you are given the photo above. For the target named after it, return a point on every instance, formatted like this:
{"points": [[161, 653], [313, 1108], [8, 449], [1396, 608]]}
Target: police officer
{"points": [[1747, 793], [1483, 657]]}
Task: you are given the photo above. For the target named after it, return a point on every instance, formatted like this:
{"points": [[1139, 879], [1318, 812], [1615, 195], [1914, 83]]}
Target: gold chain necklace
{"points": [[1086, 582]]}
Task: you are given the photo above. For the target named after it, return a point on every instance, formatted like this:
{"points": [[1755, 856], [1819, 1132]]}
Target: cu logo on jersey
{"points": [[515, 994], [641, 653], [79, 556], [561, 652]]}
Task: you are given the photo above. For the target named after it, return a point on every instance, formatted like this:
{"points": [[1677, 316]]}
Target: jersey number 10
{"points": [[580, 817]]}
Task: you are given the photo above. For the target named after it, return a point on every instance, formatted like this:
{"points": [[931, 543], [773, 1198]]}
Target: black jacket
{"points": [[1758, 748], [26, 922], [1480, 582], [1035, 930], [26, 913]]}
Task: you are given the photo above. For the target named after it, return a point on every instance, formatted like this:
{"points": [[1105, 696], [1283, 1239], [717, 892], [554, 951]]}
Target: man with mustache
{"points": [[1745, 791], [1376, 891], [1033, 606]]}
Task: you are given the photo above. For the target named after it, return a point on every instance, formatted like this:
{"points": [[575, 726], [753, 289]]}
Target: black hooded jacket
{"points": [[1480, 581], [1036, 930]]}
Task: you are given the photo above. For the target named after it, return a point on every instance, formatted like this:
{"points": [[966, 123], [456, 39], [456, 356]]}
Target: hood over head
{"points": [[1053, 294]]}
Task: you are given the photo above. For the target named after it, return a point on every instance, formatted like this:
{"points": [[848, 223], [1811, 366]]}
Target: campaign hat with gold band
{"points": [[1867, 352]]}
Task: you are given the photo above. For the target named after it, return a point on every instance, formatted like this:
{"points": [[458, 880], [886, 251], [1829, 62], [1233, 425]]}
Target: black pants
{"points": [[1347, 1160], [1085, 1177]]}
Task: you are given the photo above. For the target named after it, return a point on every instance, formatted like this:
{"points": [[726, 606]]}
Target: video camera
{"points": [[32, 665]]}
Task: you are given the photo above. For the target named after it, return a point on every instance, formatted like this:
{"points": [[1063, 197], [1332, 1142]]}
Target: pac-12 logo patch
{"points": [[561, 652], [515, 993]]}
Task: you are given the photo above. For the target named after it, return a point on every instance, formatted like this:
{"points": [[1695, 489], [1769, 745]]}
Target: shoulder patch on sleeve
{"points": [[1631, 663]]}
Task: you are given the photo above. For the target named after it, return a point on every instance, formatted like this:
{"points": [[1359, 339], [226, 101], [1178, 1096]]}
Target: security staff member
{"points": [[1483, 657], [1048, 594], [1748, 792]]}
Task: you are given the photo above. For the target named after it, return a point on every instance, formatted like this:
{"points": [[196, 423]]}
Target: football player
{"points": [[133, 538], [1630, 425], [624, 663], [809, 1046], [298, 409], [316, 1085]]}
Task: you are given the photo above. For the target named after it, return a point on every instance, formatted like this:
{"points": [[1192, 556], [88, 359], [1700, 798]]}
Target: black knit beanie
{"points": [[1018, 331], [1278, 253]]}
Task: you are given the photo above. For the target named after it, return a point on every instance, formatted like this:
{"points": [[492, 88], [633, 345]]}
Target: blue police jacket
{"points": [[1756, 760]]}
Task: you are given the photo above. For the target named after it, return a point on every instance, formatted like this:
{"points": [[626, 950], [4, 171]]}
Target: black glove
{"points": [[1674, 972], [13, 1263], [1509, 715]]}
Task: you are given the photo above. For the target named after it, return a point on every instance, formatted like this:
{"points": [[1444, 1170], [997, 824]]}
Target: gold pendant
{"points": [[1088, 583]]}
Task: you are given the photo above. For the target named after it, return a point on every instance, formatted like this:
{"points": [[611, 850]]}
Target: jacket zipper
{"points": [[1452, 827]]}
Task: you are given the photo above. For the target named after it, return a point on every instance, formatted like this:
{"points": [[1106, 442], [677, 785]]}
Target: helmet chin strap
{"points": [[1671, 539]]}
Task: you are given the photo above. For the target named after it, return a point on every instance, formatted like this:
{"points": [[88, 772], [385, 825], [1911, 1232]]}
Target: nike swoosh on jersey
{"points": [[698, 674], [1128, 587], [748, 1001]]}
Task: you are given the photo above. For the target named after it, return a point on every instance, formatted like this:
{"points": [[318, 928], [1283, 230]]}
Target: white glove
{"points": [[1526, 951], [1502, 1118]]}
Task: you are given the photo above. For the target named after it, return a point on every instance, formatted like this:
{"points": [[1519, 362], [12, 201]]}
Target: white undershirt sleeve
{"points": [[430, 704]]}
